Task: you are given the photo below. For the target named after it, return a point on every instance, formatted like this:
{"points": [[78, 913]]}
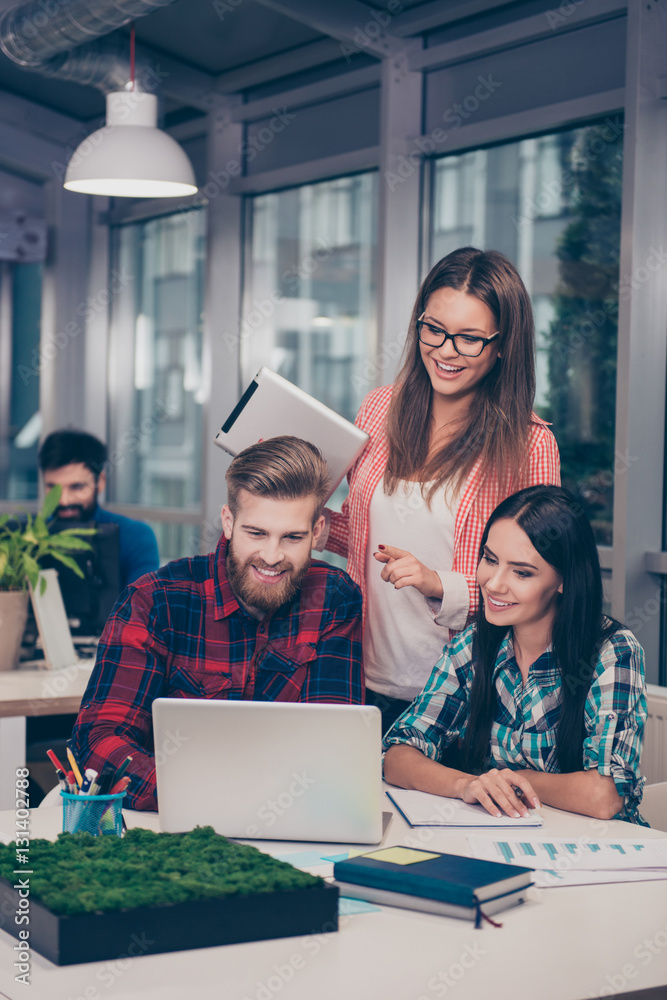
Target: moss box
{"points": [[91, 899]]}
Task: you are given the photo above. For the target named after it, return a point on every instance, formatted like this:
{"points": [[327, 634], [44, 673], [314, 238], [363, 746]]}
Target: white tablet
{"points": [[272, 406]]}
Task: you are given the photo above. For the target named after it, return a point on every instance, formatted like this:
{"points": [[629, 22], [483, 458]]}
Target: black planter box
{"points": [[97, 937]]}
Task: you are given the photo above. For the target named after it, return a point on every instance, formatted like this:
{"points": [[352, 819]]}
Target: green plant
{"points": [[24, 545], [79, 873]]}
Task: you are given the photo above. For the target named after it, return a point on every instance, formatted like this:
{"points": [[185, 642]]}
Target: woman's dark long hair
{"points": [[558, 528], [497, 426]]}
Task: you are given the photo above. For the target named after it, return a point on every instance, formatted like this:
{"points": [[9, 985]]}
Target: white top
{"points": [[402, 641]]}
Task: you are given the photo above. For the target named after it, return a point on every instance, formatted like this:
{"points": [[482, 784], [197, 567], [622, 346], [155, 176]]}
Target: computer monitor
{"points": [[89, 600]]}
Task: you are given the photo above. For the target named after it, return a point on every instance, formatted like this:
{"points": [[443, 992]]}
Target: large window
{"points": [[552, 204], [309, 304], [155, 372], [20, 365]]}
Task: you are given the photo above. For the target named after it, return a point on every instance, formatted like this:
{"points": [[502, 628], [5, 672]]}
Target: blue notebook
{"points": [[449, 878]]}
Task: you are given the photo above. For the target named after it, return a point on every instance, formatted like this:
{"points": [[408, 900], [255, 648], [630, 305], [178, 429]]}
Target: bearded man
{"points": [[76, 461], [257, 619]]}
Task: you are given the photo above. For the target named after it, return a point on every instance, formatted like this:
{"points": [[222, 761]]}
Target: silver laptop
{"points": [[269, 770], [272, 406]]}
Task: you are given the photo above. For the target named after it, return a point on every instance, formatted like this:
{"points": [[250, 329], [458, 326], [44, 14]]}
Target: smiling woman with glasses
{"points": [[450, 439], [465, 344]]}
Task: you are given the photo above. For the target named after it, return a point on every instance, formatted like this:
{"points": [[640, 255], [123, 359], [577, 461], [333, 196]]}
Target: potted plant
{"points": [[22, 546]]}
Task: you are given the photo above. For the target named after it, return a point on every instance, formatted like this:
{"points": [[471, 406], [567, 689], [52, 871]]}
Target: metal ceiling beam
{"points": [[190, 129], [176, 79], [307, 173], [353, 23], [514, 126], [438, 15], [301, 97], [274, 67], [54, 126], [29, 154], [528, 29]]}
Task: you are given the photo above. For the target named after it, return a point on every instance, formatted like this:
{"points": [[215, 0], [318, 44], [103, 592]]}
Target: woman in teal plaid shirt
{"points": [[542, 698]]}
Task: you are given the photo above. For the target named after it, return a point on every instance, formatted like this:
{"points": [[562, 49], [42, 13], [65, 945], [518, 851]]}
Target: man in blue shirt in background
{"points": [[75, 461]]}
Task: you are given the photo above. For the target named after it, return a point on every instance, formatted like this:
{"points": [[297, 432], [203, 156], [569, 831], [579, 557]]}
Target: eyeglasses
{"points": [[464, 343]]}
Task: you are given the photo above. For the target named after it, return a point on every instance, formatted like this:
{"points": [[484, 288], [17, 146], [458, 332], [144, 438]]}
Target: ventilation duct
{"points": [[40, 34]]}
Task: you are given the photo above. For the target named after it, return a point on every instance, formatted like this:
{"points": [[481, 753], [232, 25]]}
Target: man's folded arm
{"points": [[115, 719]]}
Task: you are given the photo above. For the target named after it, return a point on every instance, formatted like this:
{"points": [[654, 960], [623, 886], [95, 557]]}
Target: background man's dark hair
{"points": [[69, 447]]}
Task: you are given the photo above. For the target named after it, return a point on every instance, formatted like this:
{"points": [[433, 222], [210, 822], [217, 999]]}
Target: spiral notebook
{"points": [[425, 809]]}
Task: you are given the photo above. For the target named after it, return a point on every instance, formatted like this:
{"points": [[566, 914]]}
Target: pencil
{"points": [[75, 767]]}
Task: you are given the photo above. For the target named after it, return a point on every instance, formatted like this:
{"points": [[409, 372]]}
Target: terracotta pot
{"points": [[13, 616]]}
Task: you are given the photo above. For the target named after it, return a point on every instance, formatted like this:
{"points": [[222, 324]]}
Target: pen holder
{"points": [[95, 814]]}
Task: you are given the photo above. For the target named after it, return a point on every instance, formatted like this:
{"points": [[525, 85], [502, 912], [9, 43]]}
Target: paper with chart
{"points": [[579, 861], [425, 809], [580, 852]]}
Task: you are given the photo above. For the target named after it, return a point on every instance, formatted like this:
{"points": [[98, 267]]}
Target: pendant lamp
{"points": [[131, 157]]}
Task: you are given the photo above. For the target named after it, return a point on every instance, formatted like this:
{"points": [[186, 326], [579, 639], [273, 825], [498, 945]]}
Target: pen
{"points": [[89, 778], [121, 785], [60, 774], [105, 779], [54, 760], [71, 782], [120, 771]]}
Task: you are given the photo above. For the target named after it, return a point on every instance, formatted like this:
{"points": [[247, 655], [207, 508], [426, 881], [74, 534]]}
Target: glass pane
{"points": [[155, 366], [20, 422], [309, 310], [174, 541], [309, 304], [553, 205]]}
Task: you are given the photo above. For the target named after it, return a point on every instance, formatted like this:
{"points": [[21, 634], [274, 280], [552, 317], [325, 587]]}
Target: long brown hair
{"points": [[497, 424]]}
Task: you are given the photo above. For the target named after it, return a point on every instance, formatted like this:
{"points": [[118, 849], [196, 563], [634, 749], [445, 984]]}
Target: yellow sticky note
{"points": [[400, 855]]}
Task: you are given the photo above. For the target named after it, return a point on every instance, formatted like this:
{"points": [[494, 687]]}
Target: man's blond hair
{"points": [[280, 468]]}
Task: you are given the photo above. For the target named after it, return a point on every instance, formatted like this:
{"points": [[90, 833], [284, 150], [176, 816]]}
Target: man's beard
{"points": [[75, 512], [264, 597]]}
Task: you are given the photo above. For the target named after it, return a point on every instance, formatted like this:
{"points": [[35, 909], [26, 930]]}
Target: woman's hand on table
{"points": [[501, 791], [404, 570]]}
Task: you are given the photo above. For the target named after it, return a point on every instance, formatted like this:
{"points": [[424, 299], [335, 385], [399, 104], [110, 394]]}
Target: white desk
{"points": [[29, 691], [565, 944]]}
